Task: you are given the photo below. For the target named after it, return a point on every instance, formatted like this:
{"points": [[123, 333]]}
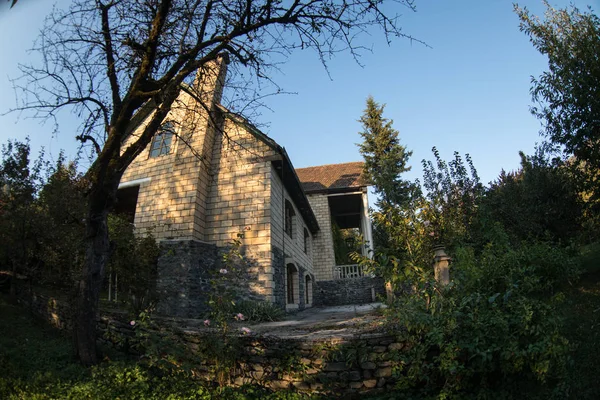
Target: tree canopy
{"points": [[567, 95], [385, 158]]}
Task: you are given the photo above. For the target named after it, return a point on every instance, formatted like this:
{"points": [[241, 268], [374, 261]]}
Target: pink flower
{"points": [[132, 323], [207, 322], [245, 330], [239, 317], [223, 271]]}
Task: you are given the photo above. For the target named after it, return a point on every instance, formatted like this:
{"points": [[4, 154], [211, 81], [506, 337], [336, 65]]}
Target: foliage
{"points": [[345, 242], [259, 311], [223, 346], [568, 93], [540, 201], [134, 259], [385, 158], [580, 311], [446, 214], [62, 206], [404, 247], [453, 192], [20, 182], [494, 333]]}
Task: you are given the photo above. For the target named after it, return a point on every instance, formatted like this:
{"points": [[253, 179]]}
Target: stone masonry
{"points": [[323, 255]]}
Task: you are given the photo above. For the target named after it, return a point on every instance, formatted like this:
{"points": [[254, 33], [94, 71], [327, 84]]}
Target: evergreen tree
{"points": [[385, 158]]}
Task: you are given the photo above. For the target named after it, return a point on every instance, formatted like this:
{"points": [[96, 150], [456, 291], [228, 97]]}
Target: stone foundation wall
{"points": [[348, 291], [183, 278], [185, 269]]}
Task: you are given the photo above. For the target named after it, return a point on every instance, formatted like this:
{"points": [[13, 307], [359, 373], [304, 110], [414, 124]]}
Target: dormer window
{"points": [[161, 143]]}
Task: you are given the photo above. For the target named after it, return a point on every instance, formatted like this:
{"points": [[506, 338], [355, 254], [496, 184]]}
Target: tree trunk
{"points": [[88, 291]]}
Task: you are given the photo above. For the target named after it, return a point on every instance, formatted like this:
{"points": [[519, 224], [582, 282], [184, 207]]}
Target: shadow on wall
{"points": [[185, 271]]}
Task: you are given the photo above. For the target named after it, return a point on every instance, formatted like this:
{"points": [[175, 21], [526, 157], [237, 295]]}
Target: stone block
{"points": [[336, 366], [395, 346], [368, 365], [276, 384], [355, 385], [301, 386], [383, 372], [354, 376], [370, 383]]}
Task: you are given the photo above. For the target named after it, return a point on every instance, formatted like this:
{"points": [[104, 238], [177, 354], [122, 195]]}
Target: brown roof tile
{"points": [[331, 177]]}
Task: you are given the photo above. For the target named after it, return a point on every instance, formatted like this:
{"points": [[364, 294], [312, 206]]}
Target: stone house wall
{"points": [[238, 201], [172, 195], [323, 254], [291, 247]]}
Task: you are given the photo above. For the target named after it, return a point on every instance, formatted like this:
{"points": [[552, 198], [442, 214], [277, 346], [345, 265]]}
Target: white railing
{"points": [[348, 271]]}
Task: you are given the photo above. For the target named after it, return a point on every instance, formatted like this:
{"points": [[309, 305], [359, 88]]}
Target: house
{"points": [[209, 177]]}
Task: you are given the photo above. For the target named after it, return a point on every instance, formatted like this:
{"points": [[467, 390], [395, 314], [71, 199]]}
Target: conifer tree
{"points": [[385, 158]]}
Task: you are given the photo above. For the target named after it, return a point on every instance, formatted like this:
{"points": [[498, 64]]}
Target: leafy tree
{"points": [[396, 217], [20, 182], [110, 59], [568, 94], [540, 201], [62, 205], [385, 158], [453, 191]]}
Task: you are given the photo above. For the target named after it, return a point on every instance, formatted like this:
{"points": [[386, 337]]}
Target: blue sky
{"points": [[469, 92]]}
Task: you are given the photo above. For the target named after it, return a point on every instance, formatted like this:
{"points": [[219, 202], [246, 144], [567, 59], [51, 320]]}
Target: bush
{"points": [[494, 332], [259, 311]]}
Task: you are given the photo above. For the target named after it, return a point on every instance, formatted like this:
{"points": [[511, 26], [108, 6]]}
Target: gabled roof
{"points": [[332, 177]]}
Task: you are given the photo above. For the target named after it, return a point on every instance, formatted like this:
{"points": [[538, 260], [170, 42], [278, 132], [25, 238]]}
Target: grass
{"points": [[29, 348]]}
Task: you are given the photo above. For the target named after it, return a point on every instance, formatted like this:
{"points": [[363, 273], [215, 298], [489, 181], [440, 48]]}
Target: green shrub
{"points": [[493, 332], [258, 311]]}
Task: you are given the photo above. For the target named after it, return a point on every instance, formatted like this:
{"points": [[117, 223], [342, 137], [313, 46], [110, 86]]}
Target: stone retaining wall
{"points": [[348, 291], [334, 366], [337, 366]]}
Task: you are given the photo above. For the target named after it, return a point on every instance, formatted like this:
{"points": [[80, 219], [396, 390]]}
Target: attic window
{"points": [[289, 219], [161, 143]]}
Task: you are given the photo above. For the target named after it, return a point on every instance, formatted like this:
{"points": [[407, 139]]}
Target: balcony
{"points": [[348, 271]]}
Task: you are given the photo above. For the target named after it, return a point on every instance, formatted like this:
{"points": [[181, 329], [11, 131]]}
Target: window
{"points": [[161, 143], [292, 284], [306, 239], [289, 219], [308, 289]]}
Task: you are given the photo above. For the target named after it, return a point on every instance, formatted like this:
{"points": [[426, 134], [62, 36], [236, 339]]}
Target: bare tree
{"points": [[109, 59]]}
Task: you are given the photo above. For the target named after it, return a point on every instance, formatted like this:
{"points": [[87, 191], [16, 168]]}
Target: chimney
{"points": [[210, 80]]}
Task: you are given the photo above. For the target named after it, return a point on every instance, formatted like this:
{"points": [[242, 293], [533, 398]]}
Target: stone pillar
{"points": [[441, 265], [367, 230]]}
